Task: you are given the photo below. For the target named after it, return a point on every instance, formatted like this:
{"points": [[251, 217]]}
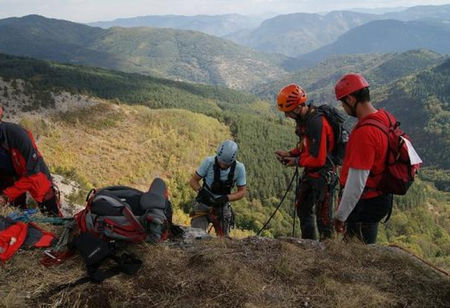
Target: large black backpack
{"points": [[341, 135], [125, 213]]}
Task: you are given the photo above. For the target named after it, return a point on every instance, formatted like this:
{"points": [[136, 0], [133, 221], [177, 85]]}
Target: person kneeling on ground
{"points": [[22, 169], [220, 174]]}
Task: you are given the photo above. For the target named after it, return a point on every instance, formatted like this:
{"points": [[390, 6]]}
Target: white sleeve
{"points": [[353, 189]]}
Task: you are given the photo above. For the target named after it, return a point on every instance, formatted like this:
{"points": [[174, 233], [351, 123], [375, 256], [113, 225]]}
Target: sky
{"points": [[100, 10]]}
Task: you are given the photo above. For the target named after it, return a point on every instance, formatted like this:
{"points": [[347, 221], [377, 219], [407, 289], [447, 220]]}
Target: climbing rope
{"points": [[281, 202], [420, 259]]}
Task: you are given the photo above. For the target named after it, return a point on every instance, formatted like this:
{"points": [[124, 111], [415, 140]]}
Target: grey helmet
{"points": [[227, 151]]}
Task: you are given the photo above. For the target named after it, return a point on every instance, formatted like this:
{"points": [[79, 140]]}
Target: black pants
{"points": [[315, 208], [363, 220], [51, 205]]}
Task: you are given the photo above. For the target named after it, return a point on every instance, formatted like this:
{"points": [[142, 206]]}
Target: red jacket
{"points": [[14, 235], [367, 150], [317, 141], [29, 169]]}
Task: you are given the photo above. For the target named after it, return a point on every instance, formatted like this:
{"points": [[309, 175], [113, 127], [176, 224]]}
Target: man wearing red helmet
{"points": [[362, 206], [314, 205], [22, 169]]}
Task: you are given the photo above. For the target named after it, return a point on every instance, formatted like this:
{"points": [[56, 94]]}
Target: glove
{"points": [[205, 196], [339, 226], [221, 200]]}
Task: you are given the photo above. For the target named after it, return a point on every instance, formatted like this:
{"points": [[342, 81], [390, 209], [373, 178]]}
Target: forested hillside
{"points": [[422, 103], [178, 54], [380, 69]]}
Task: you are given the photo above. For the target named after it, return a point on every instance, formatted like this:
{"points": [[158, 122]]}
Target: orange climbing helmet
{"points": [[290, 97]]}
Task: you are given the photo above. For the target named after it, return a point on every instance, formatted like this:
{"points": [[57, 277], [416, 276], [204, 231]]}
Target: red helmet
{"points": [[290, 97], [348, 84]]}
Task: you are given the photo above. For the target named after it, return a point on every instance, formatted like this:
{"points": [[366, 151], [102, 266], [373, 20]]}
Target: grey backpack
{"points": [[125, 213]]}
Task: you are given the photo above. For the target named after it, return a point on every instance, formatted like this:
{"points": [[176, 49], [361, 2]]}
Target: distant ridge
{"points": [[176, 54], [383, 36], [218, 25]]}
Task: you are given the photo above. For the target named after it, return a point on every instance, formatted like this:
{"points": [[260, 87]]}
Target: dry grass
{"points": [[108, 144], [253, 272]]}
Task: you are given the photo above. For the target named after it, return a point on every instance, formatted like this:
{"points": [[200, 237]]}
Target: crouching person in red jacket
{"points": [[22, 169]]}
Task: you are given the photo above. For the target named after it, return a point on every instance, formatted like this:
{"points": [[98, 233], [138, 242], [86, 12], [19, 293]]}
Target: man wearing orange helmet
{"points": [[314, 203], [362, 206], [22, 169]]}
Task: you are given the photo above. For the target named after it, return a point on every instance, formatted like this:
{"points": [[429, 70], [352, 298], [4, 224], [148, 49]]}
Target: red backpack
{"points": [[399, 173], [127, 214]]}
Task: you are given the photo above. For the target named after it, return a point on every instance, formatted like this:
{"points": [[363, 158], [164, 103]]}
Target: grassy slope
{"points": [[111, 144]]}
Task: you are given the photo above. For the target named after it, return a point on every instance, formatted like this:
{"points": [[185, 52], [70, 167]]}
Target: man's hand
{"points": [[3, 200], [204, 196], [285, 158], [290, 161], [221, 200], [281, 154], [339, 226]]}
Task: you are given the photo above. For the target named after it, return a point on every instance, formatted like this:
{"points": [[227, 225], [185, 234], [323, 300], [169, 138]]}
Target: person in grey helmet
{"points": [[220, 174]]}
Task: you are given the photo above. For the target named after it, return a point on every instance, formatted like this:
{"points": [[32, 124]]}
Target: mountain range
{"points": [[382, 36], [289, 34], [198, 57], [300, 33], [176, 54], [218, 25]]}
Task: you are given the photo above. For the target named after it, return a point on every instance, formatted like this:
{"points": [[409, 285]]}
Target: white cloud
{"points": [[94, 10]]}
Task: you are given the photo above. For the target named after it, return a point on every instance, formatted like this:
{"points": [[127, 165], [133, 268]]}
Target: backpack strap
{"points": [[216, 171], [231, 173], [381, 126], [314, 126], [126, 263], [376, 123]]}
